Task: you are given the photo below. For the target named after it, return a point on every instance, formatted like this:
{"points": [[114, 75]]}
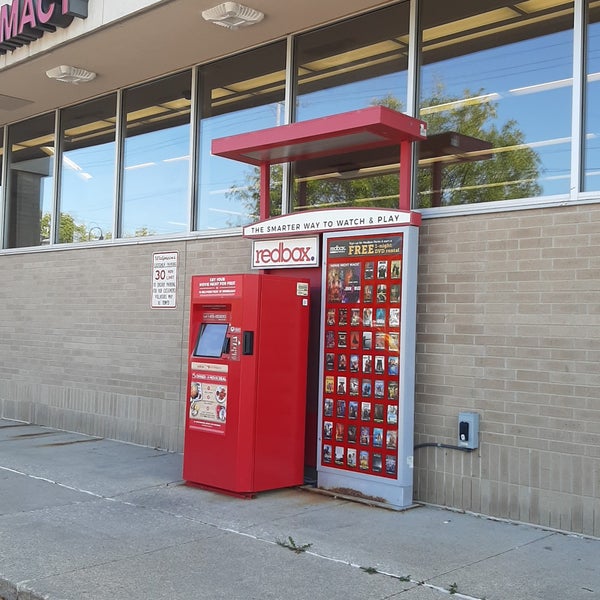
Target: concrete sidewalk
{"points": [[87, 518]]}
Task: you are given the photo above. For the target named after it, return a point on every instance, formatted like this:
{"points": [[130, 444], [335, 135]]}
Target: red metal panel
{"points": [[359, 130], [371, 127], [281, 385], [214, 451], [252, 437], [405, 192]]}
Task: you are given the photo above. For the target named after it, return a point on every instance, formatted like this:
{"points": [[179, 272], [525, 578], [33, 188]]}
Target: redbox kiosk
{"points": [[244, 429], [366, 340]]}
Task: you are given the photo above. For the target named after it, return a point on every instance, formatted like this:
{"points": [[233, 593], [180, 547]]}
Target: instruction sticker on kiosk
{"points": [[208, 402], [235, 343], [208, 387]]}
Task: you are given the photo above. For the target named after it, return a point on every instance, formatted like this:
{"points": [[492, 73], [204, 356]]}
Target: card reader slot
{"points": [[248, 343]]}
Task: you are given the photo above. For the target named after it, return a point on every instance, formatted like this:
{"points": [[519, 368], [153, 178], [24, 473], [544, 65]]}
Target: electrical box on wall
{"points": [[468, 430]]}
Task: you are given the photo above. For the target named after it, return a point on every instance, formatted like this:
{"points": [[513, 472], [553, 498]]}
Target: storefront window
{"points": [[348, 66], [157, 158], [239, 94], [2, 155], [88, 171], [496, 85], [591, 180], [495, 88], [29, 210], [353, 64]]}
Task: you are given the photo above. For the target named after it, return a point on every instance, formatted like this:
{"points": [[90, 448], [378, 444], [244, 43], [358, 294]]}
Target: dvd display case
{"points": [[367, 363]]}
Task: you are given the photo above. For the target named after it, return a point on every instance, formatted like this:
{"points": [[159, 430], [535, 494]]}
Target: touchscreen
{"points": [[211, 339]]}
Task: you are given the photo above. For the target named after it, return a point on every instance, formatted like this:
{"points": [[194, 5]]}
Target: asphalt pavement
{"points": [[94, 519]]}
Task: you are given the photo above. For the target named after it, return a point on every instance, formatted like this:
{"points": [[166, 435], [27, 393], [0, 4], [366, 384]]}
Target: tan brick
{"points": [[507, 326], [542, 364]]}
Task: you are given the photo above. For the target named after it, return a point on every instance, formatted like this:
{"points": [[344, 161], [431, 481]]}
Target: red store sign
{"points": [[24, 21]]}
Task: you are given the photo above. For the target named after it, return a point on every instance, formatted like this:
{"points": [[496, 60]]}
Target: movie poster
{"points": [[343, 283]]}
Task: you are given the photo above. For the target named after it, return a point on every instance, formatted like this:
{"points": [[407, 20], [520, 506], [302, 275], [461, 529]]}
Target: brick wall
{"points": [[81, 347], [509, 327]]}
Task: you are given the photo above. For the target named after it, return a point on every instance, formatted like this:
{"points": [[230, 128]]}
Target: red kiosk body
{"points": [[248, 339]]}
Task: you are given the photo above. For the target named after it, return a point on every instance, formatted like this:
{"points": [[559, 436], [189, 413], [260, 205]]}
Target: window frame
{"points": [[576, 194]]}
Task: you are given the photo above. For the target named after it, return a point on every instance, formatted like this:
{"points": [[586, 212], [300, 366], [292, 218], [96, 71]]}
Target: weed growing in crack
{"points": [[290, 544], [370, 570]]}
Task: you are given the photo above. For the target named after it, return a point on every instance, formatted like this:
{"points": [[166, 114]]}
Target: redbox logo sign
{"points": [[284, 253]]}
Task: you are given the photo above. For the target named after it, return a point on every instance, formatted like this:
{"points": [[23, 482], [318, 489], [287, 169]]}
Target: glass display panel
{"points": [[29, 210], [157, 157], [353, 64], [496, 86], [88, 171], [348, 66], [591, 181], [2, 155], [238, 94], [211, 340]]}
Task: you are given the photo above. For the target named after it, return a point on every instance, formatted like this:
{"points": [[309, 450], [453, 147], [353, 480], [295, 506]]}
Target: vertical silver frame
{"points": [[413, 90], [194, 150], [414, 54], [119, 166], [3, 187], [289, 117], [56, 173], [578, 102]]}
